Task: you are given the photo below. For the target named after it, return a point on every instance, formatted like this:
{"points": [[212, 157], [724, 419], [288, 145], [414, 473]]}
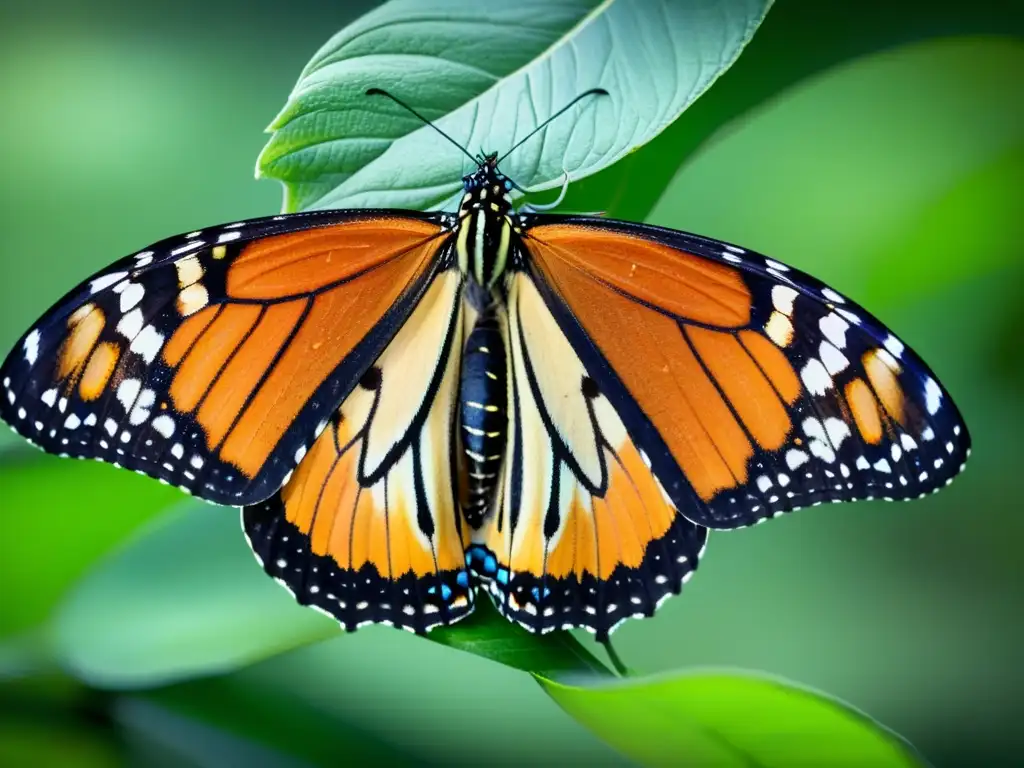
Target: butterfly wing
{"points": [[753, 388], [213, 360], [367, 529], [581, 534]]}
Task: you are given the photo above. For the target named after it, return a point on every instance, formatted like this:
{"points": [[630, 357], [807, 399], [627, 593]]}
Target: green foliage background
{"points": [[877, 145]]}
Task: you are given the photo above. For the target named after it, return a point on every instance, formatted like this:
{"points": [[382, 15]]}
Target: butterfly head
{"points": [[487, 188]]}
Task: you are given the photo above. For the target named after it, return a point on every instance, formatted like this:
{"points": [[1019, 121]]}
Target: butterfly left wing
{"points": [[581, 533], [212, 360], [367, 529], [753, 388]]}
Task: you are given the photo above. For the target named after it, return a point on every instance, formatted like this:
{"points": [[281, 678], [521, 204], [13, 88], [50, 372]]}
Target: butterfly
{"points": [[413, 407]]}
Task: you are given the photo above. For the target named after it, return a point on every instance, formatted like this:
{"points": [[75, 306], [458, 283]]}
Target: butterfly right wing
{"points": [[368, 529]]}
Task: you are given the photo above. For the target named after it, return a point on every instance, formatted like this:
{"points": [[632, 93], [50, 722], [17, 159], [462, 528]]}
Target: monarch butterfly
{"points": [[410, 406]]}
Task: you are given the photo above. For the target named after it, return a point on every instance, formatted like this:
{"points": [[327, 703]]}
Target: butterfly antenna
{"points": [[559, 113], [407, 108]]}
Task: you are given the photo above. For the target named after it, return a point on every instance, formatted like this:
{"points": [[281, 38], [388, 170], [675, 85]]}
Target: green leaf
{"points": [[488, 73], [889, 177], [245, 709], [186, 598], [58, 517], [183, 598], [799, 40], [729, 719], [486, 633]]}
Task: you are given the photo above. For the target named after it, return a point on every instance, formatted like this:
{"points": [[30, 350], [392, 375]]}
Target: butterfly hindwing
{"points": [[582, 534], [211, 360], [367, 528], [753, 388]]}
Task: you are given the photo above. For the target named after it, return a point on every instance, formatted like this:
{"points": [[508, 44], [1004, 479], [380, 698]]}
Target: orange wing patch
{"points": [[682, 284], [882, 372], [98, 370], [305, 262], [84, 328]]}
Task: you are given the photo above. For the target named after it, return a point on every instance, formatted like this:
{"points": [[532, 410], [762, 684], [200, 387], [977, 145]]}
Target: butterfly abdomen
{"points": [[482, 405]]}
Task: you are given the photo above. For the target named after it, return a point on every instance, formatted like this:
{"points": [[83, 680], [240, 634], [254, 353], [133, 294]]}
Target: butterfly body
{"points": [[409, 406]]}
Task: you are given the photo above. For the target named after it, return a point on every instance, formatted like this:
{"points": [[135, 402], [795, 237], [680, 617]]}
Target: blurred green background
{"points": [[879, 146]]}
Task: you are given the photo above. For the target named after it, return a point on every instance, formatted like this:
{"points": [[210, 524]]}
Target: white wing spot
{"points": [[105, 281], [894, 345], [818, 438], [127, 391], [129, 325], [189, 246], [815, 377], [31, 347], [834, 328], [932, 396], [782, 298], [848, 315], [837, 430], [164, 424], [834, 360], [796, 458], [140, 413], [147, 343], [131, 295], [831, 295]]}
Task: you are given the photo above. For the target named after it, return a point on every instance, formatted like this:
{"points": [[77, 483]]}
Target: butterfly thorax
{"points": [[485, 223]]}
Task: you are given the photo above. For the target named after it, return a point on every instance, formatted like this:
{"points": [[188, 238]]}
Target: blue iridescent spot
{"points": [[446, 592], [502, 576], [462, 579], [490, 564], [537, 593]]}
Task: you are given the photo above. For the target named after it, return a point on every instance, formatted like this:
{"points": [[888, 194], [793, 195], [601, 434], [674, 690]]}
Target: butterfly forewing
{"points": [[211, 360], [753, 388]]}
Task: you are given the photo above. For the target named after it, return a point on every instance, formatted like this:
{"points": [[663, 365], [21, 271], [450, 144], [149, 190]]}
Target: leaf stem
{"points": [[620, 667]]}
